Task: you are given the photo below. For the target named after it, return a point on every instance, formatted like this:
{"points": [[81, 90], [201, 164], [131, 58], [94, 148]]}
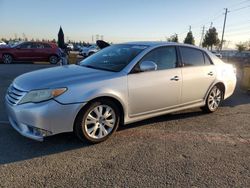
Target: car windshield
{"points": [[113, 58], [16, 44]]}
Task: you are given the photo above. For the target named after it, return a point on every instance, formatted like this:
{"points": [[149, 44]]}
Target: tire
{"points": [[53, 59], [7, 59], [92, 126], [213, 100]]}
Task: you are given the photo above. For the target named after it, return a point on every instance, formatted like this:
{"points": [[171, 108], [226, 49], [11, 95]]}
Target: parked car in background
{"points": [[76, 47], [218, 54], [88, 51], [121, 84], [241, 59], [2, 43], [70, 47], [31, 51]]}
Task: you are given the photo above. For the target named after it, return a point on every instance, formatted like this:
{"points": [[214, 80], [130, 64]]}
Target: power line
{"points": [[237, 9], [240, 3]]}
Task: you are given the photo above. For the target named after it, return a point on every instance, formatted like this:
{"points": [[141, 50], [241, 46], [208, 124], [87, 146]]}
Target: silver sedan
{"points": [[120, 84]]}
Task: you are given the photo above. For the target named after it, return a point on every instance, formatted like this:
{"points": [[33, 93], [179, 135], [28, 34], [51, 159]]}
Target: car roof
{"points": [[160, 43]]}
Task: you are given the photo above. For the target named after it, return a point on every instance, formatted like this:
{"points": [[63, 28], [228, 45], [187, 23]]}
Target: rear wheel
{"points": [[213, 100], [7, 59], [98, 121], [53, 59]]}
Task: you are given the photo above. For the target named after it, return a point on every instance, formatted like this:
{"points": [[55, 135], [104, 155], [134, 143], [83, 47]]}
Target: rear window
{"points": [[192, 57], [46, 45]]}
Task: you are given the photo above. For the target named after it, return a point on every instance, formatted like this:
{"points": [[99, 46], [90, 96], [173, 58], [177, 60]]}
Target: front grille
{"points": [[14, 94]]}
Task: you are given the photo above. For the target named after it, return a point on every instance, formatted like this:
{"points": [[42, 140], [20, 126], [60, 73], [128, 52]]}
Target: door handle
{"points": [[210, 74], [176, 78]]}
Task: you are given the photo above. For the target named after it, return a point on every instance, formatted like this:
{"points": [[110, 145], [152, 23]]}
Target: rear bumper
{"points": [[40, 120]]}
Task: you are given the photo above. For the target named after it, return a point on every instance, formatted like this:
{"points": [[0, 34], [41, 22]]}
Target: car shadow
{"points": [[239, 97], [14, 147], [165, 118]]}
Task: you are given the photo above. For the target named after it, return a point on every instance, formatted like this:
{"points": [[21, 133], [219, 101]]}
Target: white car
{"points": [[88, 51], [217, 54], [2, 43], [121, 84], [70, 46]]}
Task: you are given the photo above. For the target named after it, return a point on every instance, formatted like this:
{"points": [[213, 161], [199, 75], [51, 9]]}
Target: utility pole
{"points": [[222, 37], [202, 35], [190, 27], [211, 25]]}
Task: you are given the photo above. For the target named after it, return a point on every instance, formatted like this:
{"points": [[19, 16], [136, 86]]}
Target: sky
{"points": [[123, 20]]}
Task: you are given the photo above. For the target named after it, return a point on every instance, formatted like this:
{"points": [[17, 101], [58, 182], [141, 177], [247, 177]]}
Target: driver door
{"points": [[157, 90], [25, 51]]}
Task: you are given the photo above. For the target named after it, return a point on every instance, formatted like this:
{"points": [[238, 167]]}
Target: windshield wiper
{"points": [[98, 68]]}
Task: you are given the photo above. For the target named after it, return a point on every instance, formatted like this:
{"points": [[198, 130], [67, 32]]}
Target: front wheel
{"points": [[7, 59], [213, 100], [98, 121]]}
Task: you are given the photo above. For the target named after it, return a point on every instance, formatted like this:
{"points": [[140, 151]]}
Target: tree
{"points": [[241, 46], [173, 38], [211, 38], [60, 40], [189, 38]]}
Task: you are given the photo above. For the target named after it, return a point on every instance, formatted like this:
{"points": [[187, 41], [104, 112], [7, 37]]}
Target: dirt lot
{"points": [[185, 149]]}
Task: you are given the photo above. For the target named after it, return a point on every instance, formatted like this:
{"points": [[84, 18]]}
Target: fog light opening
{"points": [[41, 132]]}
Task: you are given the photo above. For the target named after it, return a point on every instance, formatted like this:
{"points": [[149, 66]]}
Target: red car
{"points": [[31, 51]]}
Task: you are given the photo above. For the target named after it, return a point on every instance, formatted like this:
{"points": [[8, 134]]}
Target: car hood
{"points": [[62, 76]]}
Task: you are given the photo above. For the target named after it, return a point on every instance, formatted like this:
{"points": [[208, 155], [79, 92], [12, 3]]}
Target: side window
{"points": [[46, 45], [39, 45], [207, 60], [26, 45], [34, 45], [191, 56], [164, 57]]}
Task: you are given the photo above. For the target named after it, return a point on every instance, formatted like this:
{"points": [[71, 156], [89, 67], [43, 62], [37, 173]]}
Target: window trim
{"points": [[209, 59], [177, 64]]}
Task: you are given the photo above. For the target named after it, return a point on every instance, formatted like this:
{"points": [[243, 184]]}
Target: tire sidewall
{"points": [[81, 132]]}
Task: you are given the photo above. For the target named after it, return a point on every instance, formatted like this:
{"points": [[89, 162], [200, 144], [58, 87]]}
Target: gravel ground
{"points": [[184, 149]]}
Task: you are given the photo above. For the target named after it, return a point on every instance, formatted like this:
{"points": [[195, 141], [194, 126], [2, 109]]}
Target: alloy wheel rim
{"points": [[214, 99], [7, 59], [53, 60], [100, 122]]}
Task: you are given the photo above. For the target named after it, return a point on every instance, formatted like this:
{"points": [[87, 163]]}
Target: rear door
{"points": [[198, 74], [44, 50], [155, 90]]}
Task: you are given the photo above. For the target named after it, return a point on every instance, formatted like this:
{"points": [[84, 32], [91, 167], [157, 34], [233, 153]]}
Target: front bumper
{"points": [[38, 120]]}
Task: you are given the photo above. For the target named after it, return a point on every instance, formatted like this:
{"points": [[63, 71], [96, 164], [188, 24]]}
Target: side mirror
{"points": [[148, 66]]}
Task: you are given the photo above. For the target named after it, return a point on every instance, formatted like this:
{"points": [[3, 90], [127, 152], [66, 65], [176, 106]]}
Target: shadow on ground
{"points": [[15, 147], [239, 97]]}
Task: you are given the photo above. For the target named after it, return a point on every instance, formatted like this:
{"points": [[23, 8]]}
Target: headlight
{"points": [[42, 95]]}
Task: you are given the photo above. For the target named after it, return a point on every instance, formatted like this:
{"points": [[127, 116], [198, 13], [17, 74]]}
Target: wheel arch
{"points": [[110, 98], [221, 85], [8, 53]]}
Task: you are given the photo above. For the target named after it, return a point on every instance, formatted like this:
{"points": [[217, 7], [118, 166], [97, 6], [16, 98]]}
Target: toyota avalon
{"points": [[120, 84]]}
